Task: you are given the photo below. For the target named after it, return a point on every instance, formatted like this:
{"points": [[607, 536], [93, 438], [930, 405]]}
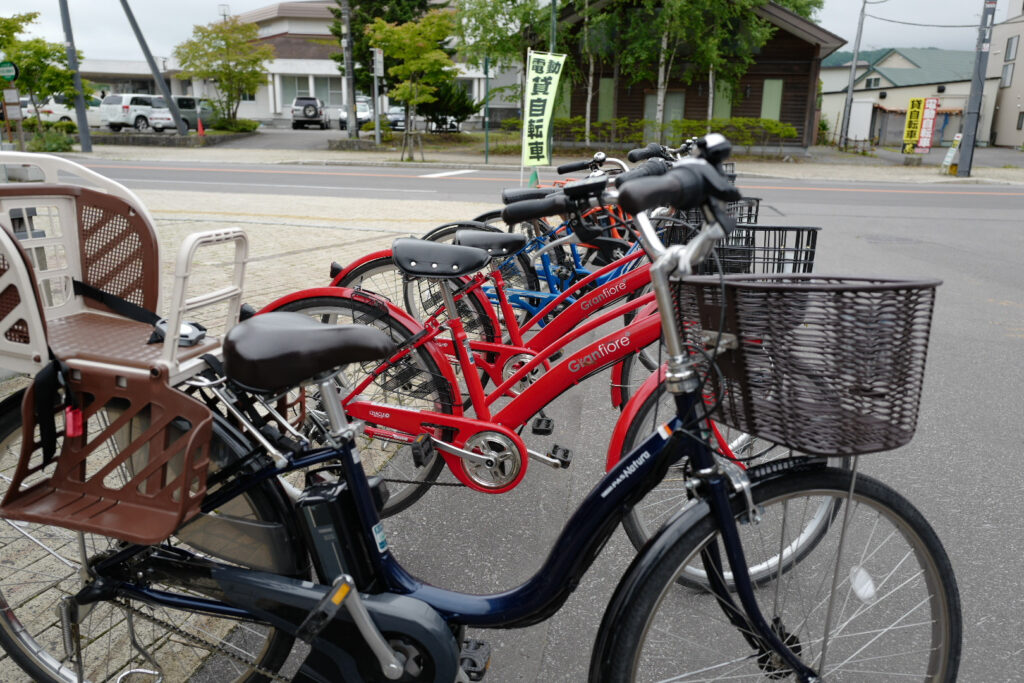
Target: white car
{"points": [[127, 110], [190, 108], [57, 108]]}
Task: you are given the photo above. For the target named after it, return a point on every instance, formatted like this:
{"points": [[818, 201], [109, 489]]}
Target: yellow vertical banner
{"points": [[912, 127], [543, 70]]}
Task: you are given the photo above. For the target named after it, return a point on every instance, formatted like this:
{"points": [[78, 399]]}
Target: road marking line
{"points": [[448, 173], [278, 186]]}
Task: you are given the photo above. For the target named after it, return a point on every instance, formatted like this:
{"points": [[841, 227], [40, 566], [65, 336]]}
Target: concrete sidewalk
{"points": [[991, 165]]}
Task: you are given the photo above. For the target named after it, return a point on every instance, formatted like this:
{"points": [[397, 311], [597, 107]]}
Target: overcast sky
{"points": [[101, 30]]}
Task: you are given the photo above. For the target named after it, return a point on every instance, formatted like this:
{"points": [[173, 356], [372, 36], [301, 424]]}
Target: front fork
{"points": [[717, 487]]}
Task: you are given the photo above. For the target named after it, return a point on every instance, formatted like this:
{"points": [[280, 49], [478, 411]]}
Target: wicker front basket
{"points": [[825, 365]]}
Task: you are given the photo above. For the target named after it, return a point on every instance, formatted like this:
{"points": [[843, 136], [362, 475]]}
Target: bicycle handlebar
{"points": [[533, 209], [574, 166], [649, 168], [686, 186], [651, 151]]}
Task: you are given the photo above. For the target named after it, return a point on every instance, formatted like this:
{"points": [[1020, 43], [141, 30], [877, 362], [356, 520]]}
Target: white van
{"points": [[127, 110]]}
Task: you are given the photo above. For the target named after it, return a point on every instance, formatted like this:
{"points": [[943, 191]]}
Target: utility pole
{"points": [[157, 76], [844, 129], [84, 138], [554, 25], [350, 80], [988, 13]]}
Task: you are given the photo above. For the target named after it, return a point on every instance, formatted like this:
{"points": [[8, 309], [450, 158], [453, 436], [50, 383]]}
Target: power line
{"points": [[911, 23]]}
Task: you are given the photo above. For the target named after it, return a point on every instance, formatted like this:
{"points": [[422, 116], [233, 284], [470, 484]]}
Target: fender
{"points": [[404, 318], [383, 253], [629, 413], [618, 396], [621, 606]]}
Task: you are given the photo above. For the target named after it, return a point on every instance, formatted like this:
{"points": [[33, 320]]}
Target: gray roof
{"points": [[933, 66], [864, 57]]}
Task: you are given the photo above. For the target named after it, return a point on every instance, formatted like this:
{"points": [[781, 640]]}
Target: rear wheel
{"points": [[141, 124], [874, 600], [43, 564], [414, 382]]}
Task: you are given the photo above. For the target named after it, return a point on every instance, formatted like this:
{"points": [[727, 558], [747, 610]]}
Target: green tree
{"points": [[43, 69], [226, 53], [10, 27], [421, 62], [363, 13], [451, 103], [501, 31]]}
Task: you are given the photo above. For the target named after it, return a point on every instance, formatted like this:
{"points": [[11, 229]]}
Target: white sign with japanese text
{"points": [[542, 73]]}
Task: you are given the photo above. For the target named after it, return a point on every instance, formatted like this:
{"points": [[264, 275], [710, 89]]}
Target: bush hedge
{"points": [[236, 125], [745, 132]]}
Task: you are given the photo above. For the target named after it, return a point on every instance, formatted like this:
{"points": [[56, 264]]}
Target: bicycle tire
{"points": [[42, 564], [892, 567], [672, 494], [414, 381]]}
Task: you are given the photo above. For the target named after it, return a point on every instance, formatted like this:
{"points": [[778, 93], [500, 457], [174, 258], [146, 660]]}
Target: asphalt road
{"points": [[959, 470]]}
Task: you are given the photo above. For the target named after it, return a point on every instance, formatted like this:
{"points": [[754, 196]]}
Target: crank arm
{"points": [[462, 453]]}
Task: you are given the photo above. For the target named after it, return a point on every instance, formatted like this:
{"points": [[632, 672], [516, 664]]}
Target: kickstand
{"points": [[156, 671], [68, 611]]}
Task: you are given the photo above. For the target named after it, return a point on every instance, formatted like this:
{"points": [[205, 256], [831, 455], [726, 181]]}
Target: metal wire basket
{"points": [[743, 210], [765, 249], [825, 365]]}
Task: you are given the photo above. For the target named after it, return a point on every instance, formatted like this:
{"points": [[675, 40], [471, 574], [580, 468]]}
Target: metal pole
{"points": [[84, 136], [487, 110], [164, 90], [977, 89], [350, 81], [844, 129], [376, 111], [554, 25]]}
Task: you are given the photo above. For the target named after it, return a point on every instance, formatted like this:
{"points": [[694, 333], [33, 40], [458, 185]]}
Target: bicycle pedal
{"points": [[324, 612], [543, 426], [562, 455], [475, 658], [423, 450]]}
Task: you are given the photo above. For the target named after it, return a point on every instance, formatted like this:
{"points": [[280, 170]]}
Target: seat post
{"points": [[340, 428]]}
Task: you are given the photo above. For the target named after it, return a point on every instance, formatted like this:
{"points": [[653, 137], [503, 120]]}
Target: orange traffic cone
{"points": [[199, 127]]}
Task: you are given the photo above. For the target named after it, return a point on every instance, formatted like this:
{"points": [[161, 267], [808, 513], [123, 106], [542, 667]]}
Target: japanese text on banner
{"points": [[542, 73], [924, 140], [912, 128]]}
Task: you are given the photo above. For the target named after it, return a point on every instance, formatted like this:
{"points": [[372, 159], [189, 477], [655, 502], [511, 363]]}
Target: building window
{"points": [[1007, 76], [771, 99], [328, 89], [1020, 121], [249, 97], [1011, 48], [872, 82]]}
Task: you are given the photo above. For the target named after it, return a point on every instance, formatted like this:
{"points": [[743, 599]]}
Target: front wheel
{"points": [[874, 600], [141, 124]]}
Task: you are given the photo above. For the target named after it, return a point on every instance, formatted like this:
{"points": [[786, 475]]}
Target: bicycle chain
{"points": [[424, 483], [213, 647]]}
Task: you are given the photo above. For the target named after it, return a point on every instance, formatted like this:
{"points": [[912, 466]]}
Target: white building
{"points": [[888, 79]]}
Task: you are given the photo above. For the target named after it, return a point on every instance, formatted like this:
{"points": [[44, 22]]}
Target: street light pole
{"points": [[844, 129]]}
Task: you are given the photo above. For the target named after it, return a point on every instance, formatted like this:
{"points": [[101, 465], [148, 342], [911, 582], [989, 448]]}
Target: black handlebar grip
{"points": [[649, 152], [573, 167], [535, 208], [651, 167], [682, 188]]}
